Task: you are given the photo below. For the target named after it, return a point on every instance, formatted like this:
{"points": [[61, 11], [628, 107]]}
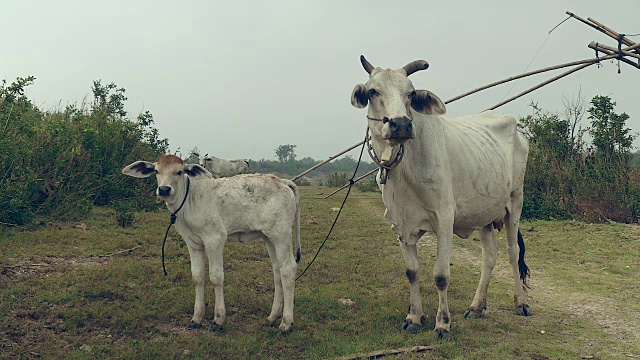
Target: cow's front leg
{"points": [[441, 276], [196, 255], [414, 320], [489, 254]]}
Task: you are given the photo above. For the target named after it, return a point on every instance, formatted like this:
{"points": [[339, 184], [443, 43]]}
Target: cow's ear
{"points": [[197, 171], [425, 102], [360, 96], [140, 169]]}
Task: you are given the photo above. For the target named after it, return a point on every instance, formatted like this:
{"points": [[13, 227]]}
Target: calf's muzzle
{"points": [[164, 190]]}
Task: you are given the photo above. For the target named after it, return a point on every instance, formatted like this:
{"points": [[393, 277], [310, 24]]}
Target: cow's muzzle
{"points": [[164, 190], [401, 129]]}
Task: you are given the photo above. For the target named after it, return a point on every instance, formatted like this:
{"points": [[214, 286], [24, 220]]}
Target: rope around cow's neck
{"points": [[173, 221]]}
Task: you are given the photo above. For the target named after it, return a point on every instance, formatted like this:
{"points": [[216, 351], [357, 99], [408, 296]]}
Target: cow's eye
{"points": [[180, 172], [373, 92], [412, 94]]}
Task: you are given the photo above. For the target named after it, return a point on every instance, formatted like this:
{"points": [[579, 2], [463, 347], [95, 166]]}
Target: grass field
{"points": [[88, 290]]}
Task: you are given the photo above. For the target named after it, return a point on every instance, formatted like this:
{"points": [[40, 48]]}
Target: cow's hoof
{"points": [[473, 314], [412, 328], [523, 310], [193, 325], [443, 334], [216, 328]]}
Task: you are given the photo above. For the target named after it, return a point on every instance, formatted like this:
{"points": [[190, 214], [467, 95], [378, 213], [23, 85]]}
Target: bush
{"points": [[337, 179], [564, 180], [59, 164], [368, 185], [302, 182]]}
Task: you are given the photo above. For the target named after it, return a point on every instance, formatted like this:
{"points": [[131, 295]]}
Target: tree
{"points": [[610, 136], [286, 153]]}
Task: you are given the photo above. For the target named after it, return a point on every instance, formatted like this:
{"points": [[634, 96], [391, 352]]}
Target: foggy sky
{"points": [[238, 78]]}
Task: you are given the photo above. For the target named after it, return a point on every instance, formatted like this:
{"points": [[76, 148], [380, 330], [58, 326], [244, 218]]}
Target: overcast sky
{"points": [[238, 78]]}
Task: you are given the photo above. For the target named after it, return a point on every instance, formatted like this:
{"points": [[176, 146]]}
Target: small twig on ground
{"points": [[22, 265], [120, 252], [10, 224], [382, 353]]}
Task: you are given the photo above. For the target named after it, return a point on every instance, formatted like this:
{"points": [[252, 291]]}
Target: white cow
{"points": [[445, 176], [251, 206], [223, 167]]}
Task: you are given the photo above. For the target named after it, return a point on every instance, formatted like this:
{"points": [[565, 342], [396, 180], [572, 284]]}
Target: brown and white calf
{"points": [[250, 206]]}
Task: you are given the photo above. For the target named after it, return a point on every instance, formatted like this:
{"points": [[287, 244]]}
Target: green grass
{"points": [[69, 291]]}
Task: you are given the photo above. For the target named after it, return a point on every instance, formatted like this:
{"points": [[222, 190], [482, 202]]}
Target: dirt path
{"points": [[605, 312]]}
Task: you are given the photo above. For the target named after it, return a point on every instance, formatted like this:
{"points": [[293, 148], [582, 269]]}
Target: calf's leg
{"points": [[284, 276], [197, 256], [216, 276]]}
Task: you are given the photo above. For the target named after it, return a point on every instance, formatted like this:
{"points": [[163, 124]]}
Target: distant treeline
{"points": [[58, 164], [319, 176]]}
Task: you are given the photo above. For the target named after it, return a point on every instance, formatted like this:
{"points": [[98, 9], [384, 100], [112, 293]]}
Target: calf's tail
{"points": [[296, 195]]}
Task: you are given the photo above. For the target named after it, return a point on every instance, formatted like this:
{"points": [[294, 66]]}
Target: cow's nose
{"points": [[164, 190], [401, 128]]}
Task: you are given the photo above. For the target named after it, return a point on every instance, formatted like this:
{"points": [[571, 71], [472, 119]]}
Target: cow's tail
{"points": [[522, 266], [296, 194]]}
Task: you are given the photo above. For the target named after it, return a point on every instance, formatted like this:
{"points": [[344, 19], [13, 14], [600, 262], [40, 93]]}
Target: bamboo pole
{"points": [[326, 161], [610, 51], [355, 181], [534, 72], [613, 33], [545, 83], [603, 29]]}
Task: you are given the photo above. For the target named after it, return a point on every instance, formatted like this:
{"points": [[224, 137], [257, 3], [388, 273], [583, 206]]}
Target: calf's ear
{"points": [[425, 102], [197, 171], [140, 169], [360, 96]]}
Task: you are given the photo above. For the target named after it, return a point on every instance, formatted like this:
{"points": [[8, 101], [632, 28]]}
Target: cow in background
{"points": [[223, 167]]}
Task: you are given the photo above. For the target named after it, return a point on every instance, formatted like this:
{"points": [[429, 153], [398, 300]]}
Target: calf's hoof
{"points": [[473, 314], [193, 325], [412, 328], [216, 328], [523, 310], [284, 328], [442, 333], [270, 323]]}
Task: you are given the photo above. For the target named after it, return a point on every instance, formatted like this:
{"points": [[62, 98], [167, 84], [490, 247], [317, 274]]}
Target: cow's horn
{"points": [[414, 66], [367, 66]]}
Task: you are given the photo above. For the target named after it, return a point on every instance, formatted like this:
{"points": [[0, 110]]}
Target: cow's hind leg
{"points": [[489, 254], [415, 319], [516, 251]]}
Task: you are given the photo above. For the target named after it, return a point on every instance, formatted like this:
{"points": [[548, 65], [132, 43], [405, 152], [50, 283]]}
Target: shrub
{"points": [[337, 179], [368, 185], [59, 164]]}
